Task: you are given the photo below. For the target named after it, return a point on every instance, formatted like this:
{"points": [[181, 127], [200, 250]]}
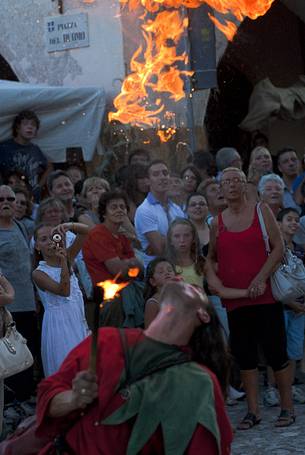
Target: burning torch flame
{"points": [[133, 272], [154, 68], [112, 288]]}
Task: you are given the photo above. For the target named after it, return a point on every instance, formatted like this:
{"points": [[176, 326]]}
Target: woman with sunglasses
{"points": [[16, 265]]}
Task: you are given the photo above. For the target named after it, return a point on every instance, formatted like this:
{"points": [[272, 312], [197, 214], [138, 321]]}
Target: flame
{"points": [[167, 134], [111, 288], [133, 272], [228, 29], [155, 64], [153, 71]]}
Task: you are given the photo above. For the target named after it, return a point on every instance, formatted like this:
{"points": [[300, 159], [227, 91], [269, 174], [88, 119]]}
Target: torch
{"points": [[109, 290]]}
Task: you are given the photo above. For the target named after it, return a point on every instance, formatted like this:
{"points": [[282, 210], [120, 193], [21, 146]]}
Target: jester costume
{"points": [[152, 400]]}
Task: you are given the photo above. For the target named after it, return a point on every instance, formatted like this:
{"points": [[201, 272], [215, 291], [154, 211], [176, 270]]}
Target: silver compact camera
{"points": [[57, 238]]}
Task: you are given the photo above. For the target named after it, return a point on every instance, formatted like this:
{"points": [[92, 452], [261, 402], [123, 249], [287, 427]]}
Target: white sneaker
{"points": [[234, 394], [298, 395], [271, 397]]}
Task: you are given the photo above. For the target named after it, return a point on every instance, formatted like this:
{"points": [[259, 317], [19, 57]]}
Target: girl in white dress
{"points": [[64, 324]]}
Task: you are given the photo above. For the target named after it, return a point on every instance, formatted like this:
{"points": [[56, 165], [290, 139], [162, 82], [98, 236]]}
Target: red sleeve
{"points": [[203, 442], [224, 425], [57, 383]]}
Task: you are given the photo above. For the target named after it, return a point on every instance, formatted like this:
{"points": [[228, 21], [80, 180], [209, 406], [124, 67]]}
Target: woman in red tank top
{"points": [[237, 259], [241, 256]]}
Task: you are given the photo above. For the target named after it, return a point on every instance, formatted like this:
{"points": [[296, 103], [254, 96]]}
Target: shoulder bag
{"points": [[15, 356], [288, 281]]}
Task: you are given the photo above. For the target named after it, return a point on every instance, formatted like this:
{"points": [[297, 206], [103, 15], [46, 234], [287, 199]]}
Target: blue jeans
{"points": [[221, 313]]}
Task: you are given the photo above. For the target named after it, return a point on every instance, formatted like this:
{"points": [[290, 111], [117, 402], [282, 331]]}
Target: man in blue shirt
{"points": [[288, 164], [156, 212]]}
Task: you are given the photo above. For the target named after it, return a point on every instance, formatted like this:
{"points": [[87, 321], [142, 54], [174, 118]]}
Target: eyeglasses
{"points": [[21, 203], [8, 199], [227, 182]]}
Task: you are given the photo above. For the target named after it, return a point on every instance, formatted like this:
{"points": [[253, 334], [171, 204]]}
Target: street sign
{"points": [[66, 32]]}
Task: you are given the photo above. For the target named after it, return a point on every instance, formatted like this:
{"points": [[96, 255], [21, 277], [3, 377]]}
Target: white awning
{"points": [[70, 117]]}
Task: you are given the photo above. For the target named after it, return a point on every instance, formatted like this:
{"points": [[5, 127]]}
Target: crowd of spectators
{"points": [[200, 226]]}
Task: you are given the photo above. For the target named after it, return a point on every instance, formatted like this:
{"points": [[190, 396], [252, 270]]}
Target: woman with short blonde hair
{"points": [[92, 190]]}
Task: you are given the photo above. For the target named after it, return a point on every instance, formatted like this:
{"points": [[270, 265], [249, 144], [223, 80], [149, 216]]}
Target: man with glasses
{"points": [[237, 259], [16, 265]]}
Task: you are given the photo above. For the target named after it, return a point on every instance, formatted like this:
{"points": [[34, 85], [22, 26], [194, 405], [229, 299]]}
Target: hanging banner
{"points": [[203, 48]]}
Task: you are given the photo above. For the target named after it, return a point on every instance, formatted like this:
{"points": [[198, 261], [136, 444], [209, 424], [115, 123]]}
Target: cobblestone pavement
{"points": [[265, 439]]}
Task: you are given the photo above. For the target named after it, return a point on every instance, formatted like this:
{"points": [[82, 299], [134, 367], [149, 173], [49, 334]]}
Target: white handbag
{"points": [[288, 281], [15, 356]]}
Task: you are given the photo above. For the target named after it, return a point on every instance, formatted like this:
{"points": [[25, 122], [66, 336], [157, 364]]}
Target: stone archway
{"points": [[6, 71]]}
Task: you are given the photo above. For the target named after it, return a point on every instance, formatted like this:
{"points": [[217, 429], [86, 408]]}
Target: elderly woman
{"points": [[237, 259], [107, 252], [51, 210], [92, 190], [271, 191], [16, 264]]}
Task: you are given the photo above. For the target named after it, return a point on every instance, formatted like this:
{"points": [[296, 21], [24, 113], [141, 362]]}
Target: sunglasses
{"points": [[21, 203], [8, 199]]}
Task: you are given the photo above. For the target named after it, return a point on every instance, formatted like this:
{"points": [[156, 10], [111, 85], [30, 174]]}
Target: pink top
{"points": [[241, 255]]}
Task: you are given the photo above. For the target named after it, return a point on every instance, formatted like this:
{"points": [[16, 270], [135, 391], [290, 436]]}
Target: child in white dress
{"points": [[64, 324]]}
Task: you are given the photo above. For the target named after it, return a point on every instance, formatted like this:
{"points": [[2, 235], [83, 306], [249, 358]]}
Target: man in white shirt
{"points": [[156, 212]]}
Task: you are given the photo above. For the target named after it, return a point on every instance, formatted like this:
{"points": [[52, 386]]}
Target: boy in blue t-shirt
{"points": [[289, 222]]}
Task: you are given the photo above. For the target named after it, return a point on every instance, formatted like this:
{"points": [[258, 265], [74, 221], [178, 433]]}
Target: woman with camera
{"points": [[64, 324]]}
